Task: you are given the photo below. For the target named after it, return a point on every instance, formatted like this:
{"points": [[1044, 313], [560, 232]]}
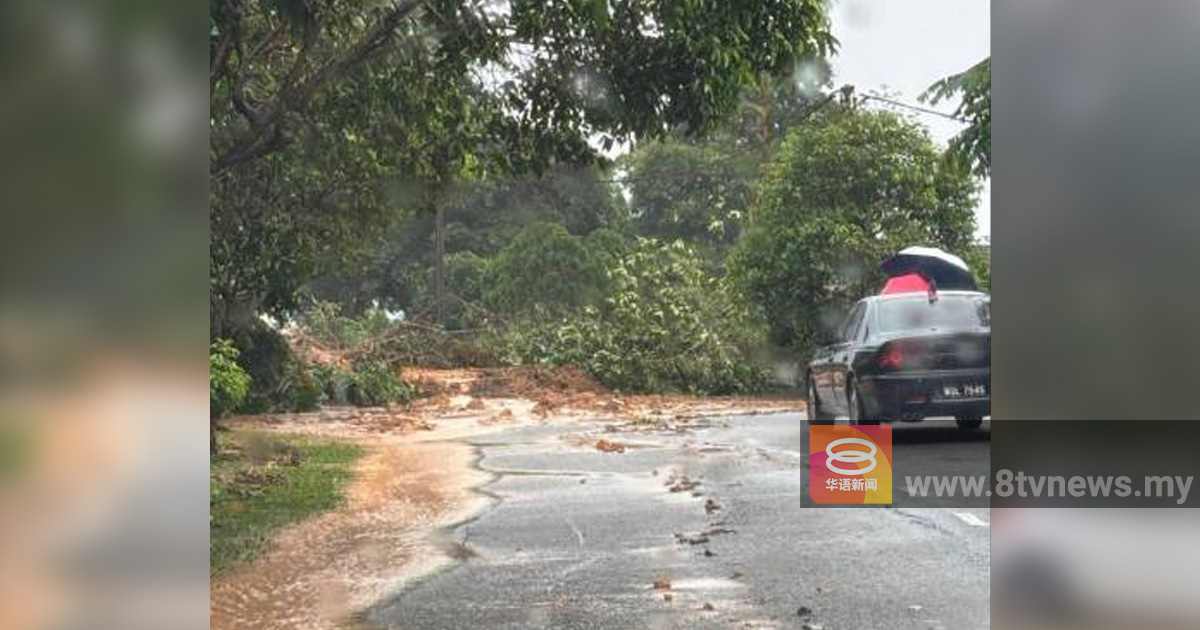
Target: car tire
{"points": [[816, 414], [858, 413], [968, 422]]}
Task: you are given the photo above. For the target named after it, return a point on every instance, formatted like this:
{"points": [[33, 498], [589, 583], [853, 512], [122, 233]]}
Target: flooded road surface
{"points": [[697, 526]]}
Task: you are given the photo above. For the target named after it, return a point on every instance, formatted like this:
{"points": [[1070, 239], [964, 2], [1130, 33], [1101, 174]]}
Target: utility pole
{"points": [[439, 254]]}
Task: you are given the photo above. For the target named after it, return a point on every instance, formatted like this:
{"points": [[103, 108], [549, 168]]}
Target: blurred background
{"points": [[1095, 209], [1095, 282], [1095, 568], [103, 243]]}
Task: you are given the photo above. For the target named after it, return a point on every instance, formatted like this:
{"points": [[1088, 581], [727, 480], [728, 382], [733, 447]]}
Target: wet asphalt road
{"points": [[576, 538]]}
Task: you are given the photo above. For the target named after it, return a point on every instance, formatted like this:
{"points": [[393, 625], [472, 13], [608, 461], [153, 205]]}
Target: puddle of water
{"points": [[705, 584]]}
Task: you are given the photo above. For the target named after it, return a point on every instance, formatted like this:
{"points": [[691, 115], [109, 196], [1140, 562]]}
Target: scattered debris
{"points": [[667, 597], [607, 446], [737, 575], [915, 608], [662, 583], [544, 407], [683, 484], [811, 626], [708, 553], [691, 539], [711, 506], [475, 404], [390, 422], [707, 607], [459, 550], [804, 611], [530, 381]]}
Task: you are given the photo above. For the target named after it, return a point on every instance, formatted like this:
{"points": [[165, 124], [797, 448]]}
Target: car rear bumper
{"points": [[894, 396]]}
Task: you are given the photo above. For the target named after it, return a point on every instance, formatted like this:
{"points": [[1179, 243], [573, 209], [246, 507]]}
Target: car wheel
{"points": [[854, 404], [816, 414], [968, 422]]}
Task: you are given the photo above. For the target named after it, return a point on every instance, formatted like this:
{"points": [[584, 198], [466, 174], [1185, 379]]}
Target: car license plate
{"points": [[965, 390]]}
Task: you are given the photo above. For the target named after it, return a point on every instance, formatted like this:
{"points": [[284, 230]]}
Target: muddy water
{"points": [[321, 570]]}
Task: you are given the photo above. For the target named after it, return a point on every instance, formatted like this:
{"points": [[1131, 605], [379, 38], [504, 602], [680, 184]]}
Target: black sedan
{"points": [[906, 356]]}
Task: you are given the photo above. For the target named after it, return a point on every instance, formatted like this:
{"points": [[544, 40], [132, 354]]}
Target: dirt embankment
{"points": [[416, 480]]}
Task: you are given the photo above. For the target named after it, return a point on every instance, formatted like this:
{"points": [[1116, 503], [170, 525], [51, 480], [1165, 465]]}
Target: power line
{"points": [[847, 92], [812, 108], [915, 108]]}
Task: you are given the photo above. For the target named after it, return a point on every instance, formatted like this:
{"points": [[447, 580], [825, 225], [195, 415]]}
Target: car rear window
{"points": [[947, 312]]}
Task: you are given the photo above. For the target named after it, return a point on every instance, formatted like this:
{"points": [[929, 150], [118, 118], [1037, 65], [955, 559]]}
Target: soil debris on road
{"points": [[691, 539], [417, 478], [682, 484], [607, 446]]}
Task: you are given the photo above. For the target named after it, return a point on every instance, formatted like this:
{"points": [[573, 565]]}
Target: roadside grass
{"points": [[260, 483]]}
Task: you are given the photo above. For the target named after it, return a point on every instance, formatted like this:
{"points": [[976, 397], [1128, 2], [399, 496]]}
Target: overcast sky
{"points": [[902, 46]]}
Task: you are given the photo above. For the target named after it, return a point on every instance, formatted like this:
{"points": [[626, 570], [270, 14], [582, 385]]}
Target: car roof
{"points": [[901, 296]]}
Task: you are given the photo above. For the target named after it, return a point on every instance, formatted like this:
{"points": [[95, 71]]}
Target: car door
{"points": [[840, 356]]}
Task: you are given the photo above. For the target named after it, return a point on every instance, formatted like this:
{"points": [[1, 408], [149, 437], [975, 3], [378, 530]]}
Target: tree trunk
{"points": [[439, 281]]}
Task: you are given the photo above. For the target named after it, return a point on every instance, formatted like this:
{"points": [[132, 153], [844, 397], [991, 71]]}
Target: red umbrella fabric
{"points": [[945, 269], [907, 283]]}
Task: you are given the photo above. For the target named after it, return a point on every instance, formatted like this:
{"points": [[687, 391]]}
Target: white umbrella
{"points": [[946, 269]]}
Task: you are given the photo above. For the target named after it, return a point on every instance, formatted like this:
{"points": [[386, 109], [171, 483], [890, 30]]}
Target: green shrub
{"points": [[373, 383], [304, 391], [333, 383], [607, 246], [324, 320], [370, 384], [278, 381], [979, 259], [466, 272], [228, 383], [544, 267], [665, 325], [266, 356]]}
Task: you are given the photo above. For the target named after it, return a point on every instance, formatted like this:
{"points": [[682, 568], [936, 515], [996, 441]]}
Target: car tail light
{"points": [[891, 357]]}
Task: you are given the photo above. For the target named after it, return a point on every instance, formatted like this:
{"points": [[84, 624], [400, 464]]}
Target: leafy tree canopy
{"points": [[699, 189], [844, 192], [328, 118], [562, 69], [481, 218], [973, 146], [664, 324], [545, 267], [695, 192]]}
